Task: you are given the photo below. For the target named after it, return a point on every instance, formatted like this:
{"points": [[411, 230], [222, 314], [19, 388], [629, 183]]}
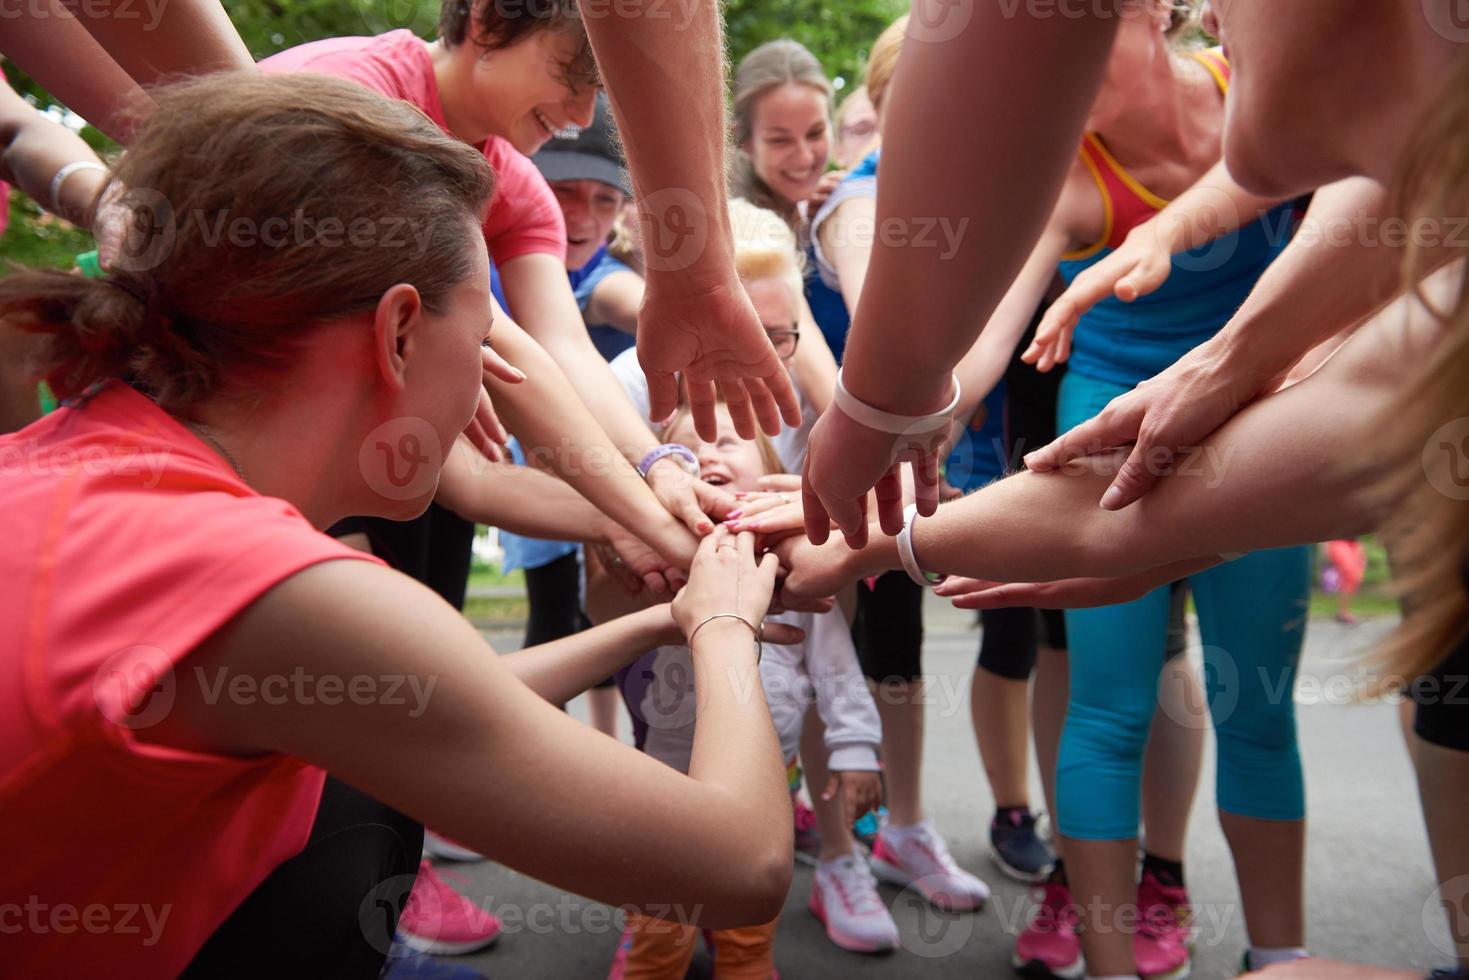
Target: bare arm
{"points": [[1300, 466], [560, 433], [999, 74], [715, 842], [35, 149], [813, 366], [1337, 271], [615, 302], [560, 670], [97, 64], [695, 318], [536, 286]]}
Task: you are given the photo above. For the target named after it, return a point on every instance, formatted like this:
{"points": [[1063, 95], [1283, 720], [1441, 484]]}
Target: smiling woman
{"points": [[781, 127]]}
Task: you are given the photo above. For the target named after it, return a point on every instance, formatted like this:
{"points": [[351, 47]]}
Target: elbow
{"points": [[759, 891]]}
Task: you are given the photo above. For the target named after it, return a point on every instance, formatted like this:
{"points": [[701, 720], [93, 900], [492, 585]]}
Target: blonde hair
{"points": [[771, 65], [883, 60], [765, 246], [1429, 532], [769, 458]]}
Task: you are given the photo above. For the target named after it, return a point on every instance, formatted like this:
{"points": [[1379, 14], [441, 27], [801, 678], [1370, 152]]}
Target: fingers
{"points": [[818, 521], [738, 404], [889, 493], [689, 511], [778, 382], [663, 395], [655, 583], [926, 485], [833, 783], [795, 603], [497, 367], [714, 501], [764, 404], [1138, 474], [779, 482], [1116, 425], [782, 634], [956, 585]]}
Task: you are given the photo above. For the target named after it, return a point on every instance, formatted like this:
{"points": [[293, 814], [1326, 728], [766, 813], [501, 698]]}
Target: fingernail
{"points": [[521, 374], [739, 495], [1112, 499], [735, 513], [706, 528]]}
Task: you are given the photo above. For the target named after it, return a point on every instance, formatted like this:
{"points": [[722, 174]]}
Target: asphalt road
{"points": [[1369, 880]]}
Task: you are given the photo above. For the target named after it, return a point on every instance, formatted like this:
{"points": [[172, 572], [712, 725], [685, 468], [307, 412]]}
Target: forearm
{"points": [[35, 151], [616, 301], [735, 746], [656, 68], [537, 288], [560, 434], [519, 499], [813, 367], [995, 203], [56, 50], [560, 670], [1213, 207], [179, 38], [1294, 468], [1337, 271]]}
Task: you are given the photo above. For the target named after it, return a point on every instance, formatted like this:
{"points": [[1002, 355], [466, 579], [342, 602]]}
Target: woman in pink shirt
{"points": [[505, 78], [188, 655]]}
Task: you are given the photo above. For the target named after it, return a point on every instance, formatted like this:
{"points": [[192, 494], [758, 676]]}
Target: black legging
{"points": [[331, 910], [553, 592]]}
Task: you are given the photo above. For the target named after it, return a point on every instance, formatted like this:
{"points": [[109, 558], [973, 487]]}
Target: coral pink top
{"points": [[524, 218], [127, 543]]}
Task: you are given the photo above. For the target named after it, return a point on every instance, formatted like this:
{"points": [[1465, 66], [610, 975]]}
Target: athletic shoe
{"points": [[865, 828], [447, 850], [1049, 947], [1158, 952], [1166, 908], [917, 857], [808, 838], [844, 897], [437, 919], [1017, 848]]}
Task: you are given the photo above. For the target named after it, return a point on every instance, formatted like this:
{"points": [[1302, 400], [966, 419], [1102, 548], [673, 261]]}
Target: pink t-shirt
{"points": [[128, 542], [524, 217]]}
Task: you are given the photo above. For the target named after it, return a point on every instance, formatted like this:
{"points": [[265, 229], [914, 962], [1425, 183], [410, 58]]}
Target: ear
{"points": [[397, 327]]}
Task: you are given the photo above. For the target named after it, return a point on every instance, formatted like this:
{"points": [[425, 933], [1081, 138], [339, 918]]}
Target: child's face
{"points": [[590, 207], [728, 461]]}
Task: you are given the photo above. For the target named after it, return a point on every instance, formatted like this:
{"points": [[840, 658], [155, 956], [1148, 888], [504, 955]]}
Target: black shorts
{"points": [[1442, 715], [888, 628], [435, 548]]}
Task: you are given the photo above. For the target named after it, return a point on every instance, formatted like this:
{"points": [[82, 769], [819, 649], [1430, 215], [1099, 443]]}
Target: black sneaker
{"points": [[1018, 849]]}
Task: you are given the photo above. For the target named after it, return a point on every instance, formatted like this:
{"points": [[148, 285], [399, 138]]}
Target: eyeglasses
{"points": [[784, 342]]}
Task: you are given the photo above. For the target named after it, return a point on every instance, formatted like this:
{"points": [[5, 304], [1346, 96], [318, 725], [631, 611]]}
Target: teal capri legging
{"points": [[1252, 617]]}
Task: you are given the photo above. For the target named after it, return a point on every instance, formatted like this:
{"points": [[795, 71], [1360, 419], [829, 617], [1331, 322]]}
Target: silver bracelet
{"points": [[759, 648], [66, 172]]}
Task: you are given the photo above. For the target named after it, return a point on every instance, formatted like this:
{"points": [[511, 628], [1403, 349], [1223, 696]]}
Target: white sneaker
{"points": [[844, 897], [917, 857]]}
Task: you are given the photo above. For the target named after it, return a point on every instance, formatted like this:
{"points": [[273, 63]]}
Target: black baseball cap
{"points": [[592, 153]]}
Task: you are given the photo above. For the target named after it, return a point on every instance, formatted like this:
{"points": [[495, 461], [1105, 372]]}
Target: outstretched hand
{"points": [[714, 338]]}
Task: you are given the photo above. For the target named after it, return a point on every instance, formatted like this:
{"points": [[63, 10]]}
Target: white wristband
{"points": [[905, 551], [859, 411], [66, 172]]}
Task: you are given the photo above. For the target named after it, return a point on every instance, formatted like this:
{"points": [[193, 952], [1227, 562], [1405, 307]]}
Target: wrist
{"points": [[725, 633], [895, 392]]}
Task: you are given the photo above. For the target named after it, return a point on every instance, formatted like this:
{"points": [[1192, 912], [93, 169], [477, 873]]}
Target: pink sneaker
{"points": [[1166, 908], [917, 857], [1049, 947], [1158, 951], [437, 919], [808, 838]]}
